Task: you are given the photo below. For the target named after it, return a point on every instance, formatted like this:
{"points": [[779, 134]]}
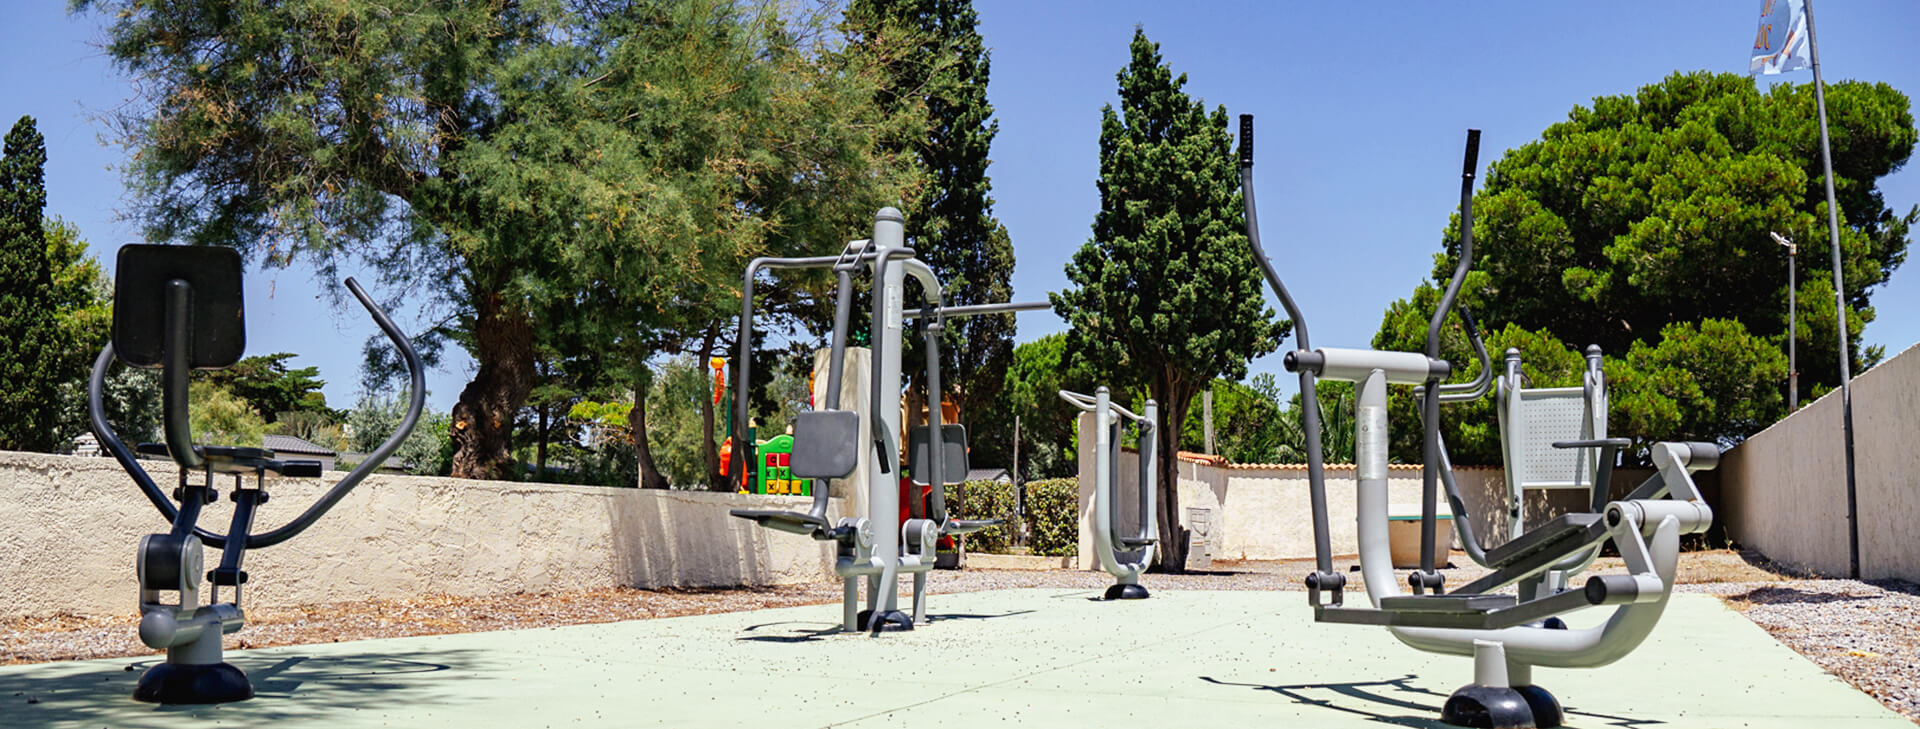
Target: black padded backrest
{"points": [[826, 444], [954, 439], [218, 334]]}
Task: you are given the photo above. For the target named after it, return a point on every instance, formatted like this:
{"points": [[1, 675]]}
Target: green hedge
{"points": [[1052, 515]]}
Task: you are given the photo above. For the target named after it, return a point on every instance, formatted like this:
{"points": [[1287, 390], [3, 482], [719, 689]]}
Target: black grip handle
{"points": [[1473, 153], [1246, 140], [300, 469]]}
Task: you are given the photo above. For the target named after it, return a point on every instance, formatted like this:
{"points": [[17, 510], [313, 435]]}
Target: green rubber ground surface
{"points": [[1041, 658]]}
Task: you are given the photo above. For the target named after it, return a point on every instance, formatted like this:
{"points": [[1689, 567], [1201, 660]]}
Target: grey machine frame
{"points": [[198, 324], [1123, 553], [877, 545], [1506, 634]]}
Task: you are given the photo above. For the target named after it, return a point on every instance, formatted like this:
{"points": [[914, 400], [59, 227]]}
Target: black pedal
{"points": [[232, 576]]}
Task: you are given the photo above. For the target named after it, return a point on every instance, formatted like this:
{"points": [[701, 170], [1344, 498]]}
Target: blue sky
{"points": [[1362, 110]]}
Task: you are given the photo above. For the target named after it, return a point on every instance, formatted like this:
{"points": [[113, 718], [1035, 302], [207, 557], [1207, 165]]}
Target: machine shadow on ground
{"points": [[1417, 714], [289, 686], [827, 630]]}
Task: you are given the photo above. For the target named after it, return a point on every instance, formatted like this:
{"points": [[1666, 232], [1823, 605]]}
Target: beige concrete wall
{"points": [[1264, 512], [69, 525], [1783, 491]]}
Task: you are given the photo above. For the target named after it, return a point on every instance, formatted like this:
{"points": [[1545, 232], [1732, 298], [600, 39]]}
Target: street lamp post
{"points": [[1793, 368]]}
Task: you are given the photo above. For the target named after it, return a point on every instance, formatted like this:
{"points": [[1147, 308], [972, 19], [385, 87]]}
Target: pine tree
{"points": [[1166, 294], [950, 224], [28, 329]]}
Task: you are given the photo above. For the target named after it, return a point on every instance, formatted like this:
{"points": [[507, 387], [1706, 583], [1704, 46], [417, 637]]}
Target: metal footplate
{"points": [[792, 522], [969, 526], [1488, 611], [1562, 536]]}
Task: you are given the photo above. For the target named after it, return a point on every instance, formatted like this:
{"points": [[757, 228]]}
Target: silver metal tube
{"points": [[1005, 307]]}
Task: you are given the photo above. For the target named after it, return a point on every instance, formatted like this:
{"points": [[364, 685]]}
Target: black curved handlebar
{"points": [[417, 398]]}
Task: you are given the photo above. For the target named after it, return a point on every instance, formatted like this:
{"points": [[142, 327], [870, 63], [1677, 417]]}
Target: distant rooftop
{"points": [[289, 444]]}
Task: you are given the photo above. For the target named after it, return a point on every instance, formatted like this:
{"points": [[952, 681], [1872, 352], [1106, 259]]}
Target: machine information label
{"points": [[1370, 443], [893, 306]]}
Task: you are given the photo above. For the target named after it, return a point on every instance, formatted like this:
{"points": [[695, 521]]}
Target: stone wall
{"points": [[1785, 489], [69, 526]]}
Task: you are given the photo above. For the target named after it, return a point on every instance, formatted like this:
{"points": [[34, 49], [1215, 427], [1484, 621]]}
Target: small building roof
{"points": [[289, 444], [989, 474]]}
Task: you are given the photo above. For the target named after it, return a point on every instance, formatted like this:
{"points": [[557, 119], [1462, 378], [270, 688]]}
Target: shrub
{"points": [[1052, 515]]}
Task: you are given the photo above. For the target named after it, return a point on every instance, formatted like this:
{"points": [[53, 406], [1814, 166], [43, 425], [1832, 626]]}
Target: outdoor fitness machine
{"points": [[1506, 634], [1123, 554], [179, 308], [828, 444]]}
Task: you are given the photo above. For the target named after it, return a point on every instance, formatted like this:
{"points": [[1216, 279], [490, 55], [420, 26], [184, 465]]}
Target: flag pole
{"points": [[1839, 301]]}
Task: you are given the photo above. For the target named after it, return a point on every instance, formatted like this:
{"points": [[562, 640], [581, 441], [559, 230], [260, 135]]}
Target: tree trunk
{"points": [[1173, 397], [709, 450], [650, 477], [540, 449], [483, 418]]}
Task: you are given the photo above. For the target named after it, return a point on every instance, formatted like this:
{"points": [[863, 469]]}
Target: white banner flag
{"points": [[1781, 44]]}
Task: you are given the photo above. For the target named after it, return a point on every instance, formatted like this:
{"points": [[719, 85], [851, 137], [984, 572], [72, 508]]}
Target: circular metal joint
{"points": [[168, 562]]}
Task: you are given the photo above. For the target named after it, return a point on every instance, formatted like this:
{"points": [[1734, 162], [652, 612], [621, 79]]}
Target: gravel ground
{"points": [[1867, 633]]}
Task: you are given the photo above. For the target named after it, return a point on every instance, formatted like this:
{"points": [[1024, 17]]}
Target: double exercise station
{"points": [[180, 309]]}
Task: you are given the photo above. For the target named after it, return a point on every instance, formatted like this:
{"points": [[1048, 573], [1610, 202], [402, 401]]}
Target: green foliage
{"points": [[1247, 423], [270, 388], [1711, 381], [1336, 425], [1166, 294], [313, 427], [220, 418], [1053, 515], [132, 400], [1650, 211], [427, 451], [1654, 208], [82, 297], [1040, 370], [950, 222], [30, 361], [605, 169]]}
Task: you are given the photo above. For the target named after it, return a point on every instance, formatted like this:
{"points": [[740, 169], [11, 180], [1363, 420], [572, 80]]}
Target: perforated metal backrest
{"points": [[1543, 417]]}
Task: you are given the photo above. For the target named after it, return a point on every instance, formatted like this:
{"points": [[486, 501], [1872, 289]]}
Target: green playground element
{"points": [[772, 472]]}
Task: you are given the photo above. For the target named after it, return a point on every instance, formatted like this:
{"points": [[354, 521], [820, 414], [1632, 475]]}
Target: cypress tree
{"points": [[1166, 294], [27, 324], [950, 223]]}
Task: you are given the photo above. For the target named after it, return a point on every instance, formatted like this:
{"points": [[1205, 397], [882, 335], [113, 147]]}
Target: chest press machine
{"points": [[179, 308], [1506, 634], [828, 443]]}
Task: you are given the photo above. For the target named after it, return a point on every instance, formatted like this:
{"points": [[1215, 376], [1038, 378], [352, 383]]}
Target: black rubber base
{"points": [[1126, 592], [892, 620], [1526, 707], [176, 683]]}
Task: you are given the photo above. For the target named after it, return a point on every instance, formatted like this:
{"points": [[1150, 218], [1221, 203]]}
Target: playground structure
{"points": [[1507, 635], [828, 444], [179, 308], [1123, 554]]}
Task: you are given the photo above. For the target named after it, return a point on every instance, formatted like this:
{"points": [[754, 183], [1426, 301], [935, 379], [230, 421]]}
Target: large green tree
{"points": [[531, 166], [1165, 294], [1640, 224], [266, 384], [950, 223], [29, 361]]}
